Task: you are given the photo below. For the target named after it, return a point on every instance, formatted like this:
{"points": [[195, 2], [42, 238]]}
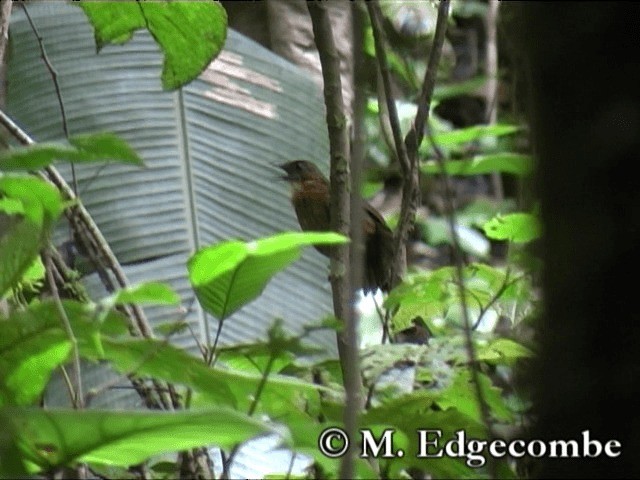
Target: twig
{"points": [[213, 348], [95, 244], [252, 408], [5, 15], [383, 66], [506, 284], [94, 392], [491, 91], [457, 253], [78, 397], [56, 86], [340, 222]]}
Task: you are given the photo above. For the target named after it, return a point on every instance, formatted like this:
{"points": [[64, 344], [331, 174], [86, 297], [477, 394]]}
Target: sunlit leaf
{"points": [[514, 227], [228, 275], [190, 34]]}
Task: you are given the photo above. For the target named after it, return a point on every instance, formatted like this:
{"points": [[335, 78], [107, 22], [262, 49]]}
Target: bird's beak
{"points": [[286, 177]]}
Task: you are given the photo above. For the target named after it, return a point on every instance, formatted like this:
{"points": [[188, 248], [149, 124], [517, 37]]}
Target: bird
{"points": [[310, 199]]}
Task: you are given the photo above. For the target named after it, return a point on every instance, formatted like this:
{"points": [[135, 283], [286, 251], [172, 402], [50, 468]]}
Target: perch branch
{"points": [[340, 221]]}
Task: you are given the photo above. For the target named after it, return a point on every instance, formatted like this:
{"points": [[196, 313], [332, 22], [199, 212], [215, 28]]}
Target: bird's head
{"points": [[300, 170]]}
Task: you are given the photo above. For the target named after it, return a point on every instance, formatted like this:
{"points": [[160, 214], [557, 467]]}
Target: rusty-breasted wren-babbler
{"points": [[310, 199]]}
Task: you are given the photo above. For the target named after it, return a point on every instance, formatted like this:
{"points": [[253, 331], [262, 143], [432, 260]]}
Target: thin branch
{"points": [[252, 408], [491, 89], [416, 134], [212, 349], [340, 222], [56, 86], [407, 151], [5, 15], [383, 67], [78, 397], [459, 266], [506, 284]]}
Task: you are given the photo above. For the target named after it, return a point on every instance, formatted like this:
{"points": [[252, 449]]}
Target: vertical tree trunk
{"points": [[585, 120]]}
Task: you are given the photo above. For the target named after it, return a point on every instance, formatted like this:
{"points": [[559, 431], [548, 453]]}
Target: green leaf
{"points": [[57, 437], [19, 247], [219, 386], [33, 343], [94, 147], [514, 227], [404, 413], [435, 296], [34, 157], [41, 201], [470, 134], [23, 234], [513, 163], [230, 274], [502, 351], [461, 395], [280, 350], [146, 293], [466, 87], [104, 146], [190, 34]]}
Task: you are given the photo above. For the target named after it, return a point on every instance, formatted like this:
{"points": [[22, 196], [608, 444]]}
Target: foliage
{"points": [[190, 35], [408, 385]]}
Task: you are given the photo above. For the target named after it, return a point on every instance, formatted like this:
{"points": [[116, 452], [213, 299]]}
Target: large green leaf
{"points": [[57, 437], [514, 227], [228, 275], [190, 34]]}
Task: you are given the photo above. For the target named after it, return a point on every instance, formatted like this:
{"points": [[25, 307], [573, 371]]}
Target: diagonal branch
{"points": [[407, 150], [94, 242], [459, 266]]}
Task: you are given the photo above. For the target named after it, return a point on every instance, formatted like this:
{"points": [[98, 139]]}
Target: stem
{"points": [[470, 347], [78, 397]]}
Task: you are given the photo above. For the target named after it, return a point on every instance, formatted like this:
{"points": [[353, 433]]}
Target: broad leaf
{"points": [[228, 275]]}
